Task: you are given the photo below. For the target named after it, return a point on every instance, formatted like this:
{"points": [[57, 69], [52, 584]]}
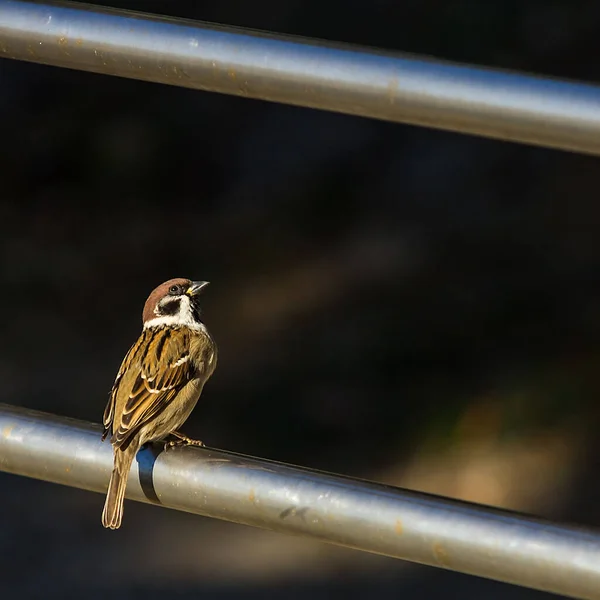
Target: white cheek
{"points": [[185, 317]]}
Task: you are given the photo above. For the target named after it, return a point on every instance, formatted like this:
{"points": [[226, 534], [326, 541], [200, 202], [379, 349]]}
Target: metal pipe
{"points": [[348, 512], [312, 73]]}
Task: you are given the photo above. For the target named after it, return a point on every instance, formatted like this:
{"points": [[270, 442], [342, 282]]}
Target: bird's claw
{"points": [[182, 440]]}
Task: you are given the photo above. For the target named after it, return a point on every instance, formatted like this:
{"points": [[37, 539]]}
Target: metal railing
{"points": [[336, 77], [358, 514], [348, 512]]}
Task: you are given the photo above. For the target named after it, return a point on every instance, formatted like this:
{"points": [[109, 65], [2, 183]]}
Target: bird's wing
{"points": [[109, 411], [153, 373]]}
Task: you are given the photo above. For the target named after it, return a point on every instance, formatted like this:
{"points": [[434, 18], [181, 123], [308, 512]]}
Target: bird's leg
{"points": [[182, 440]]}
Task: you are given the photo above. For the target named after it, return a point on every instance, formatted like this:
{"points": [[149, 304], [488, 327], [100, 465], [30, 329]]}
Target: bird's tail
{"points": [[113, 507]]}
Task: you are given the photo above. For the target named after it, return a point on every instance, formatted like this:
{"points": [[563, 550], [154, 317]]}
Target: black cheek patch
{"points": [[170, 308]]}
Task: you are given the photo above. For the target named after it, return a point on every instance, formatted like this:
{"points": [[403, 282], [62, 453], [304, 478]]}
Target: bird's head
{"points": [[174, 303]]}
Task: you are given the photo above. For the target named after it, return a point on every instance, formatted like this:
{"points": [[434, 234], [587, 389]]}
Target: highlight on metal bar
{"points": [[348, 512], [311, 73]]}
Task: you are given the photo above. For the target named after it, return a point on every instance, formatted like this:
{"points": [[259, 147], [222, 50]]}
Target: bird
{"points": [[158, 384]]}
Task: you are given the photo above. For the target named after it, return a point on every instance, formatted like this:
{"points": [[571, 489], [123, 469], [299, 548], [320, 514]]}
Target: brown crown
{"points": [[158, 294]]}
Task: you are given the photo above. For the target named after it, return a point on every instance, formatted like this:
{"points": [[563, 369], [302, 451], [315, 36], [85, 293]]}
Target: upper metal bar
{"points": [[348, 512], [337, 77]]}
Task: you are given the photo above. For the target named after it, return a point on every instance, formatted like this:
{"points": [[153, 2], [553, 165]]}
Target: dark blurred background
{"points": [[411, 306]]}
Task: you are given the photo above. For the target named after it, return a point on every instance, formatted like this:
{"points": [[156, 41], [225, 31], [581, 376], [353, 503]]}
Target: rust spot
{"points": [[79, 41], [64, 43], [252, 496], [7, 431], [398, 527], [441, 555], [294, 511], [68, 470]]}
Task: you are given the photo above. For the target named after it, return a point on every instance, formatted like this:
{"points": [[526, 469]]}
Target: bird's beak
{"points": [[196, 287]]}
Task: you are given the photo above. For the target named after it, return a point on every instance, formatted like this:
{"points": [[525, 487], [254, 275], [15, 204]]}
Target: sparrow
{"points": [[158, 383]]}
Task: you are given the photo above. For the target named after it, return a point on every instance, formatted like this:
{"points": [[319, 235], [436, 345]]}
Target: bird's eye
{"points": [[175, 290]]}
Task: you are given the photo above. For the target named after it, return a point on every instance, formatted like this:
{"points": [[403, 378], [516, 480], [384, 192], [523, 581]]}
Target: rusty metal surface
{"points": [[348, 512], [311, 73]]}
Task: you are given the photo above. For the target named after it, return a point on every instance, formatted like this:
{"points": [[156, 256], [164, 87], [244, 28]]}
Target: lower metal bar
{"points": [[358, 514]]}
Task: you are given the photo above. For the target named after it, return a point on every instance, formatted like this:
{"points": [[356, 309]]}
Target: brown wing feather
{"points": [[109, 411], [159, 367]]}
